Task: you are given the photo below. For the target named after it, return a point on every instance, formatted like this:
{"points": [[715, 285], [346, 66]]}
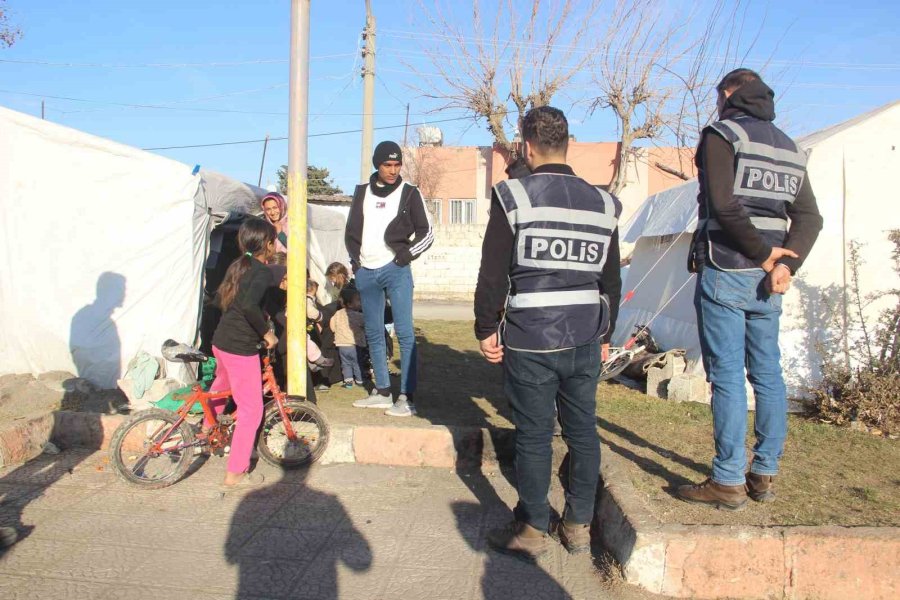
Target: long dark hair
{"points": [[253, 237]]}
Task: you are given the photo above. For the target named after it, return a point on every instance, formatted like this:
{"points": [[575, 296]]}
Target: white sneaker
{"points": [[374, 400], [403, 407]]}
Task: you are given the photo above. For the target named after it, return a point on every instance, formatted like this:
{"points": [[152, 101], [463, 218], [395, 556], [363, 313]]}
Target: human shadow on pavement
{"points": [[293, 551], [449, 385]]}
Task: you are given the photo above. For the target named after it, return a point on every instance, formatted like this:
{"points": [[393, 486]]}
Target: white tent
{"points": [[852, 169], [103, 248]]}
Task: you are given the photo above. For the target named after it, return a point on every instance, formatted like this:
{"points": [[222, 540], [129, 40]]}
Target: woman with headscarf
{"points": [[275, 212]]}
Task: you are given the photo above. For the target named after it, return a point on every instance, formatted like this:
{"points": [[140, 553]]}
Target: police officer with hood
{"points": [[758, 221], [550, 252]]}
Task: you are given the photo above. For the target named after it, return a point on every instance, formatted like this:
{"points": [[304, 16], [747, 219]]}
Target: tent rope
{"points": [[633, 338], [630, 294]]}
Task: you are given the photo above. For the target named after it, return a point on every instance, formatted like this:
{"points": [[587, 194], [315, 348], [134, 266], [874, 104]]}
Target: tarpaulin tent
{"points": [[103, 248], [852, 167]]}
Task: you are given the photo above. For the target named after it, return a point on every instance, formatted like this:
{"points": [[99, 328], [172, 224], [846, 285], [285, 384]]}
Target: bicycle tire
{"points": [[124, 456], [313, 432], [619, 364]]}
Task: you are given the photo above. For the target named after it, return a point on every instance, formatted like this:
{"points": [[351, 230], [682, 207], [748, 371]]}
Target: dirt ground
{"points": [[24, 396], [829, 475]]}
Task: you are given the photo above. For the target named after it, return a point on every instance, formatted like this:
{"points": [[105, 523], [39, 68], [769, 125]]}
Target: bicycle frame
{"points": [[270, 385]]}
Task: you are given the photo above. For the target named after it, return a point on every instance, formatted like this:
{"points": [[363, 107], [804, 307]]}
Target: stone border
{"points": [[840, 563], [721, 561], [433, 446]]}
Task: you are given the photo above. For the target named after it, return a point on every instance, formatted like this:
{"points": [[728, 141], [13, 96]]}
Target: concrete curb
{"points": [[433, 446], [690, 561], [676, 560]]}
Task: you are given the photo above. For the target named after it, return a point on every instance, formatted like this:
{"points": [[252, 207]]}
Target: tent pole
{"points": [[297, 163]]}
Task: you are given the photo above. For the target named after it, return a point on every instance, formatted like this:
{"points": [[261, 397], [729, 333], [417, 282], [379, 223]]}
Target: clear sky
{"points": [[220, 69]]}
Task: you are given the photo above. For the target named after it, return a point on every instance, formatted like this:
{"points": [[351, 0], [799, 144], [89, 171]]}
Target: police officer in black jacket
{"points": [[758, 221], [550, 245]]}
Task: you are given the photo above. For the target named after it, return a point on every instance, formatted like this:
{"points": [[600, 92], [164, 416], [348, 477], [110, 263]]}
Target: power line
{"points": [[468, 40], [235, 63], [324, 134]]}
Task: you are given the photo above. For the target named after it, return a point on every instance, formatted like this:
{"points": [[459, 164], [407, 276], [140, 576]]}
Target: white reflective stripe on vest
{"points": [[565, 215], [748, 147], [768, 223], [521, 198], [541, 299]]}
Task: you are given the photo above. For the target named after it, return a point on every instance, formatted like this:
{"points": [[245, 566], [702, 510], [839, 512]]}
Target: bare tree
{"points": [[423, 168], [498, 71], [657, 75], [626, 76], [9, 33]]}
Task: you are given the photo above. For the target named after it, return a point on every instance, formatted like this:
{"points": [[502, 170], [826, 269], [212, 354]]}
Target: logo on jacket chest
{"points": [[381, 204], [562, 249]]}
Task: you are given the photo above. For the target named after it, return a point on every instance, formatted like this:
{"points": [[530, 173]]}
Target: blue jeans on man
{"points": [[738, 321], [535, 383], [396, 284]]}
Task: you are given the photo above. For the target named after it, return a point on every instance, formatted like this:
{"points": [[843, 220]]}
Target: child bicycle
{"points": [[640, 343], [155, 448]]}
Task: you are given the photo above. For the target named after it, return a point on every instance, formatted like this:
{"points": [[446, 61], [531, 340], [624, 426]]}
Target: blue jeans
{"points": [[395, 283], [352, 362], [738, 322], [535, 382]]}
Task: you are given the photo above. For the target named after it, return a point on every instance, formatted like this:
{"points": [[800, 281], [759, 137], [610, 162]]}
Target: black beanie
{"points": [[386, 151]]}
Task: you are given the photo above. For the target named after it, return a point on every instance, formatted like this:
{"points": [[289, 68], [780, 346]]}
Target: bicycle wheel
{"points": [[618, 364], [131, 449], [308, 424]]}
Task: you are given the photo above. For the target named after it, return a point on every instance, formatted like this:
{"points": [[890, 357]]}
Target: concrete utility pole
{"points": [[297, 160], [368, 74]]}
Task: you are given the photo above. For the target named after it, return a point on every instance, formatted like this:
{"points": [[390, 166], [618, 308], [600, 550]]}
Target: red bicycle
{"points": [[155, 447]]}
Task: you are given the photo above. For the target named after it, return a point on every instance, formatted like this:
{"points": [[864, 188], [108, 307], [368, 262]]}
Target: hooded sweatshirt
{"points": [[715, 165], [281, 224]]}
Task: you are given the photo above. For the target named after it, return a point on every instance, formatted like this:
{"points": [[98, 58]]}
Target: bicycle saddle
{"points": [[175, 352]]}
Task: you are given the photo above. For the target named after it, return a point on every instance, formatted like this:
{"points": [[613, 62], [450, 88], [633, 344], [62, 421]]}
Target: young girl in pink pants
{"points": [[236, 341]]}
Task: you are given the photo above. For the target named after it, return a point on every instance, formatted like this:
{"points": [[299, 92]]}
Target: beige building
{"points": [[456, 180]]}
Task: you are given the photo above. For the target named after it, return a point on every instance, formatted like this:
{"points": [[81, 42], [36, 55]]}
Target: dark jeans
{"points": [[535, 382]]}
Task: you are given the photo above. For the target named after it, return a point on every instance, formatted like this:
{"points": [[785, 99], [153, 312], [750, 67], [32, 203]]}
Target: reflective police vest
{"points": [[769, 170], [562, 227]]}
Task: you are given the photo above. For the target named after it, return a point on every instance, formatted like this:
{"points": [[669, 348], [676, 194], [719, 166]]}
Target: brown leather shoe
{"points": [[519, 539], [761, 487], [575, 537], [724, 497]]}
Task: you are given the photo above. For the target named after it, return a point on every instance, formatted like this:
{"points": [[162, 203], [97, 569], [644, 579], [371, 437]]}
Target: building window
{"points": [[462, 212], [436, 210]]}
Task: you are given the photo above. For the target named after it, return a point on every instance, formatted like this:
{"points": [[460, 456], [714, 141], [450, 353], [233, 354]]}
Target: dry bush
{"points": [[861, 382]]}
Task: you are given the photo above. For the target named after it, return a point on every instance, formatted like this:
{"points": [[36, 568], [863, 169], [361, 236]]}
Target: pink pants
{"points": [[242, 375]]}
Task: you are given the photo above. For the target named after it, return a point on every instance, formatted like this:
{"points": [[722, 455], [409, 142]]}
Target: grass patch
{"points": [[829, 475]]}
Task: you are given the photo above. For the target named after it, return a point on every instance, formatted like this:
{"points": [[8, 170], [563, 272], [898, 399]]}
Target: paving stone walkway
{"points": [[340, 531]]}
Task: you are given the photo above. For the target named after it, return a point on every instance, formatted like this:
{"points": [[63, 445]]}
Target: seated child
{"points": [[350, 338]]}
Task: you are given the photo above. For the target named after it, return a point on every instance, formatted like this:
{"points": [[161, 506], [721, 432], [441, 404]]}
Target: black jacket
{"points": [[411, 222], [244, 324]]}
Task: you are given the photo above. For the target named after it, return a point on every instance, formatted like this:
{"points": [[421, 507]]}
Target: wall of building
{"points": [[449, 270]]}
